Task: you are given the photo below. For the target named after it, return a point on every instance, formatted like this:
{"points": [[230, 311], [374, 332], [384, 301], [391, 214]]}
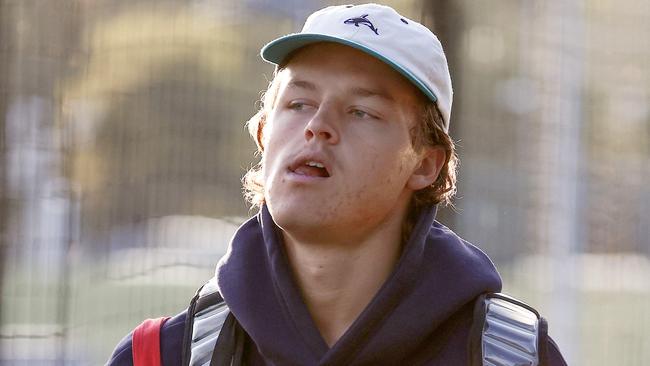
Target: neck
{"points": [[338, 278]]}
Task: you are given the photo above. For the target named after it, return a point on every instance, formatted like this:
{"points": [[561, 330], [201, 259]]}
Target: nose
{"points": [[322, 126]]}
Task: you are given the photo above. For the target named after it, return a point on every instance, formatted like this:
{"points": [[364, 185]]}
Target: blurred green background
{"points": [[122, 146]]}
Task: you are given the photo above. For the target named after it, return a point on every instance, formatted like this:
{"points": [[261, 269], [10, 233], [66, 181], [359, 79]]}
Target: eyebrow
{"points": [[302, 84], [364, 92], [358, 91]]}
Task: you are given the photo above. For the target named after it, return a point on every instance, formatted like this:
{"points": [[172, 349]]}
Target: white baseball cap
{"points": [[405, 45]]}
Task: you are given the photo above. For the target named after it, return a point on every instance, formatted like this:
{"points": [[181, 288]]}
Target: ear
{"points": [[431, 160]]}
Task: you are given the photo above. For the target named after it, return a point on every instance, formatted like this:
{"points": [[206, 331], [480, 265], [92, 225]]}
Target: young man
{"points": [[345, 264]]}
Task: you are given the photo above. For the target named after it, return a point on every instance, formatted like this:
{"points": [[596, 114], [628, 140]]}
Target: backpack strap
{"points": [[145, 342], [506, 332], [206, 316]]}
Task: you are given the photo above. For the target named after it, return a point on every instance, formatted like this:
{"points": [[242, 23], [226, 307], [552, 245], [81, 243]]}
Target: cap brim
{"points": [[277, 51]]}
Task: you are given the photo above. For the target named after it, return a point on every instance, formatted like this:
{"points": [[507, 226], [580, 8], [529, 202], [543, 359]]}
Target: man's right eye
{"points": [[297, 106]]}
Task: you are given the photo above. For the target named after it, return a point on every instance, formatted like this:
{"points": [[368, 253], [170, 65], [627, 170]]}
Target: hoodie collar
{"points": [[436, 275]]}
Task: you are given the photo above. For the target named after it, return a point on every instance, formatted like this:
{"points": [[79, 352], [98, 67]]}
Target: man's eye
{"points": [[297, 106], [361, 114]]}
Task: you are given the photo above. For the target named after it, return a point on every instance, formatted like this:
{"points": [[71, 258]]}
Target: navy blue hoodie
{"points": [[421, 315]]}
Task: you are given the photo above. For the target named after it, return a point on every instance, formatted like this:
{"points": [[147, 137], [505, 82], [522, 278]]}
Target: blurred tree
{"points": [[157, 117], [5, 202], [36, 42]]}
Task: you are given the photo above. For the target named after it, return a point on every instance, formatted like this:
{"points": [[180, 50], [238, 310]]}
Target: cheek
{"points": [[394, 161], [270, 142], [274, 155], [383, 173], [279, 129]]}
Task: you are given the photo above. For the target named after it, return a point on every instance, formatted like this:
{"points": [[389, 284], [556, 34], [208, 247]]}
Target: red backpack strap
{"points": [[146, 342]]}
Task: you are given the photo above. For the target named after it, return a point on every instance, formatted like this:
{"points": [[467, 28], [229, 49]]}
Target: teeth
{"points": [[315, 164]]}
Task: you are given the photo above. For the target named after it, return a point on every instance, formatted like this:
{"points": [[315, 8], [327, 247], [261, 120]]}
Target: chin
{"points": [[301, 219], [287, 215]]}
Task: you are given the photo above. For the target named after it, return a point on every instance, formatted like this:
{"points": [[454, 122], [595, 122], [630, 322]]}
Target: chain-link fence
{"points": [[123, 145]]}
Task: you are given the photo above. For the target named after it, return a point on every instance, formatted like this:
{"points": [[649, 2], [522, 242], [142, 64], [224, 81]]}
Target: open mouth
{"points": [[311, 168]]}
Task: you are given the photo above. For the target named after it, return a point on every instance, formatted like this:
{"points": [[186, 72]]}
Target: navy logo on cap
{"points": [[362, 20]]}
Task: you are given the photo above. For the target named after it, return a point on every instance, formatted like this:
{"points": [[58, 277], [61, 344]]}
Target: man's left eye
{"points": [[361, 114]]}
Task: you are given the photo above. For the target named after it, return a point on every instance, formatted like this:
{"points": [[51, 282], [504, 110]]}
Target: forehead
{"points": [[334, 64]]}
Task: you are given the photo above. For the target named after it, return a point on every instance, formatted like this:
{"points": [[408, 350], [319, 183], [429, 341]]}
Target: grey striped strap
{"points": [[207, 324], [511, 332]]}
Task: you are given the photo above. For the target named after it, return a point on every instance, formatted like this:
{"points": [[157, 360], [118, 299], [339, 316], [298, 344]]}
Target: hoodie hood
{"points": [[437, 275]]}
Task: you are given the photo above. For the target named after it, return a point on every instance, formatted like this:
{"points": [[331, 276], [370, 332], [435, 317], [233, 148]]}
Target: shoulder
{"points": [[443, 241], [171, 344], [122, 354], [553, 354]]}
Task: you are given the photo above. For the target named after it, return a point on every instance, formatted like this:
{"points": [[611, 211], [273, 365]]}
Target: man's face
{"points": [[338, 157]]}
